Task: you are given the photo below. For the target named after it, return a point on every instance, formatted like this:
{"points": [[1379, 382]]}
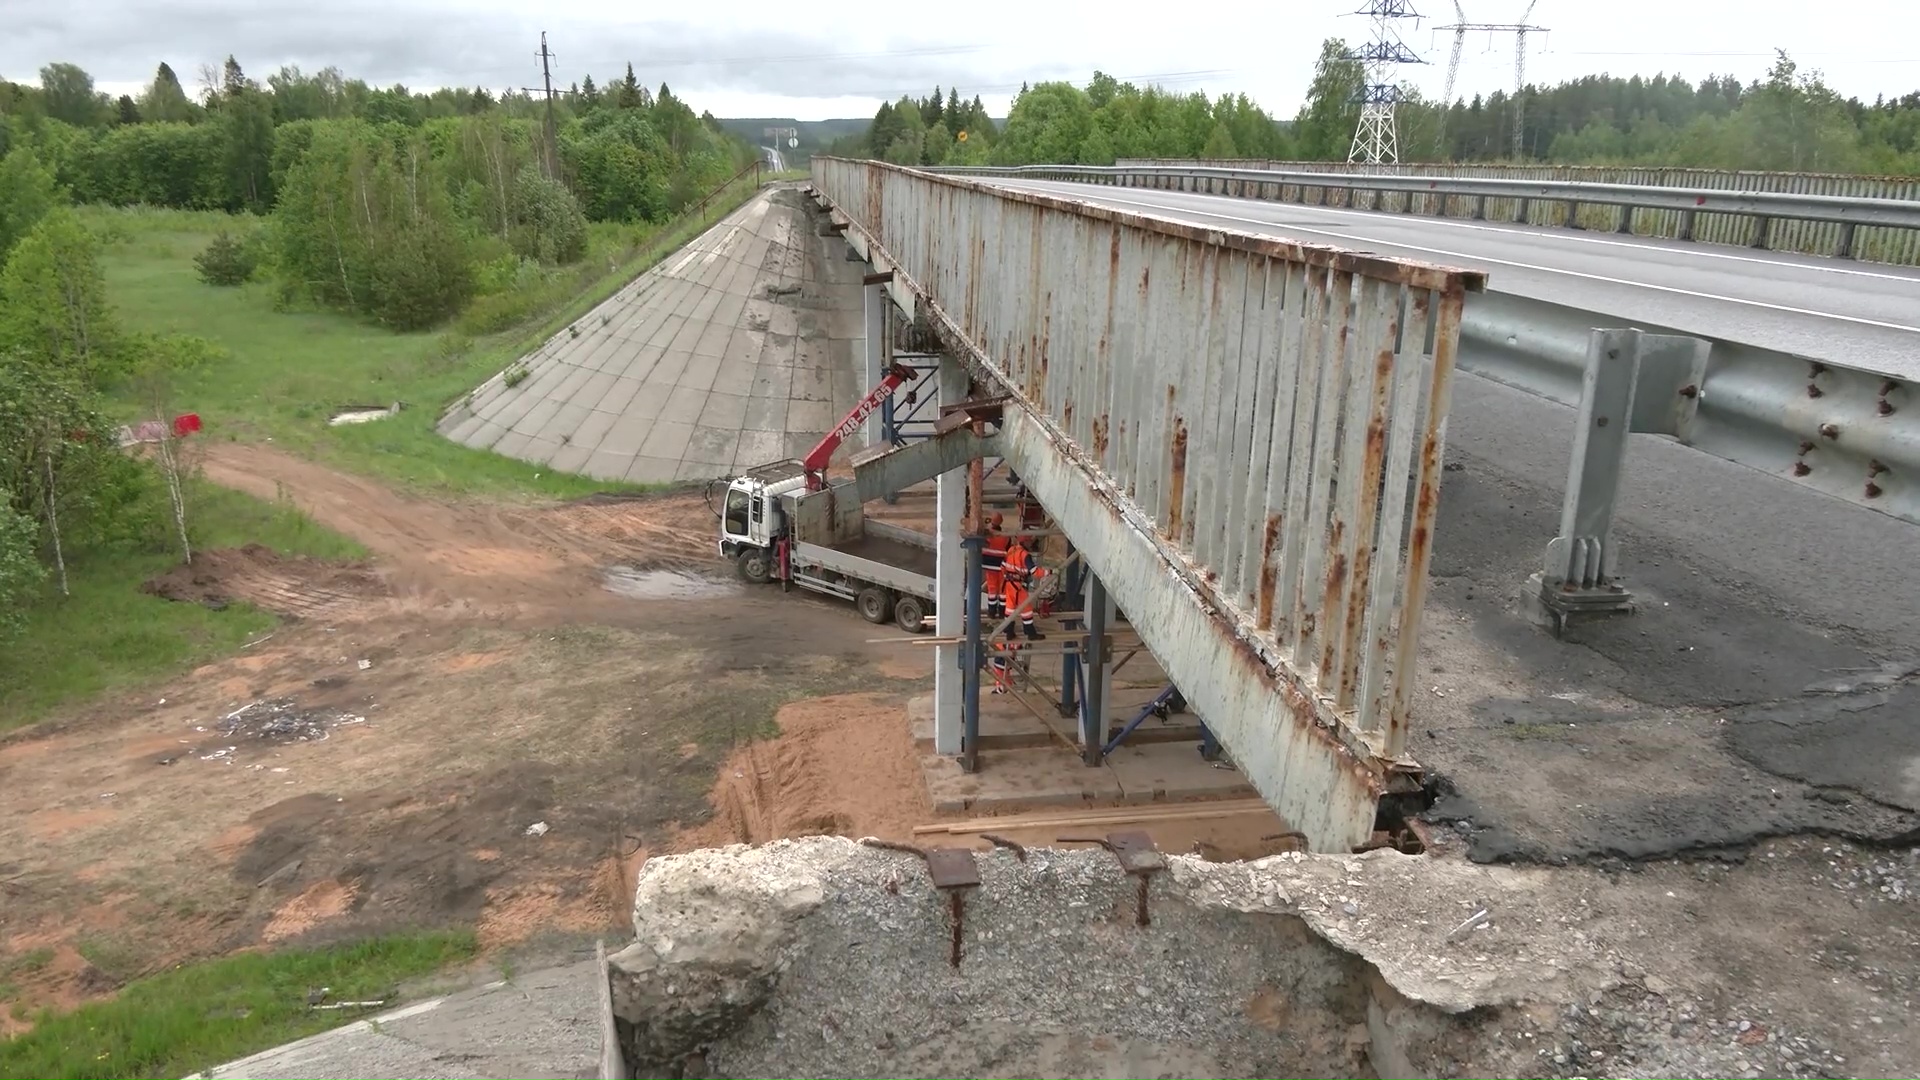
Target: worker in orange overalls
{"points": [[1018, 571], [993, 557]]}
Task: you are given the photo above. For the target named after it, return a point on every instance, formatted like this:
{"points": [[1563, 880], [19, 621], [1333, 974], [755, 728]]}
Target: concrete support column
{"points": [[876, 323], [950, 570]]}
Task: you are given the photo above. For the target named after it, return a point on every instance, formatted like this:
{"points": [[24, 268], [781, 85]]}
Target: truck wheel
{"points": [[908, 612], [875, 604], [756, 565]]}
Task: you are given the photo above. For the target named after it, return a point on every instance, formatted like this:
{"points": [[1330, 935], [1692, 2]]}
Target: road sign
{"points": [[962, 136], [792, 142]]}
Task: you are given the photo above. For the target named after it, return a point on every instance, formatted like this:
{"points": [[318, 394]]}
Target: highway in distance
{"points": [[1859, 314]]}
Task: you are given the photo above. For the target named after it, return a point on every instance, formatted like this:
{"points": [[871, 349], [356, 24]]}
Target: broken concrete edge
{"points": [[717, 931]]}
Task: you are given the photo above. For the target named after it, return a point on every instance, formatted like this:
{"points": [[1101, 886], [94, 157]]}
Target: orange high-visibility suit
{"points": [[1018, 572], [992, 562]]}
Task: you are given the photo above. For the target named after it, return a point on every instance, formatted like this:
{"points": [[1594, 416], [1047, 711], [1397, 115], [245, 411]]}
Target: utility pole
{"points": [[1377, 140], [552, 134]]}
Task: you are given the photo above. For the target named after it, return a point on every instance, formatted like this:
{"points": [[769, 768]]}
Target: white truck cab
{"points": [[753, 518]]}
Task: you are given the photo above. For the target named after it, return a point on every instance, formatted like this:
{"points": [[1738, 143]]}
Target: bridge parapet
{"points": [[1242, 435]]}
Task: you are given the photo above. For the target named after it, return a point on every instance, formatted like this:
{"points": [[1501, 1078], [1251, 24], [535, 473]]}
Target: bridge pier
{"points": [[950, 582], [879, 347]]}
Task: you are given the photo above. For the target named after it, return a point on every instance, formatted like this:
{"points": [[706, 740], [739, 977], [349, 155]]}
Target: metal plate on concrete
{"points": [[1136, 852], [952, 868]]}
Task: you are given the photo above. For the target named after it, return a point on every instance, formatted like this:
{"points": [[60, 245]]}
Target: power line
{"points": [[1162, 79], [1519, 30], [551, 131]]}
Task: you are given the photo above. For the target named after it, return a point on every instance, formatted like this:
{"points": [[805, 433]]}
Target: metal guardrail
{"points": [[1242, 435], [1851, 433], [1475, 198], [1898, 246]]}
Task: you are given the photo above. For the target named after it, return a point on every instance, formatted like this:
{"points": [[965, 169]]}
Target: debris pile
{"points": [[279, 721]]}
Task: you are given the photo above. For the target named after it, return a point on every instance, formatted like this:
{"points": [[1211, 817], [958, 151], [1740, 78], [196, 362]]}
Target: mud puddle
{"points": [[663, 584]]}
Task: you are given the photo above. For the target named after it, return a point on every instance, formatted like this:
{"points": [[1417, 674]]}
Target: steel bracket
{"points": [[961, 413], [953, 872], [1138, 859]]}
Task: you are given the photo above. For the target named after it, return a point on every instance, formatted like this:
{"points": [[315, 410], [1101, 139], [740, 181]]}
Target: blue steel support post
{"points": [[1209, 746], [1069, 662], [1093, 720], [971, 659]]}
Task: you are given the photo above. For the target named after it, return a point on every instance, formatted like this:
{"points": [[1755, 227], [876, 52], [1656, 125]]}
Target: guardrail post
{"points": [[1762, 227], [1685, 231], [1573, 215], [1633, 382], [1479, 208], [1845, 249]]}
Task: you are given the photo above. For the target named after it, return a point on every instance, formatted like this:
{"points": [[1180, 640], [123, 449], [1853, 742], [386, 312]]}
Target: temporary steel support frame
{"points": [[909, 415], [1300, 649], [1098, 682]]}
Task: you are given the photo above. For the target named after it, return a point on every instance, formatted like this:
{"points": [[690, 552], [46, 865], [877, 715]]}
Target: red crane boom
{"points": [[815, 463]]}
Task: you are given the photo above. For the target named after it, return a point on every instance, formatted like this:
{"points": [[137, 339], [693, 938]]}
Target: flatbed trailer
{"points": [[888, 573]]}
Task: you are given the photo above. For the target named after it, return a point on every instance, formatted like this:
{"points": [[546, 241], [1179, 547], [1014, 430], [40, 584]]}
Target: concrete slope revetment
{"points": [[742, 348]]}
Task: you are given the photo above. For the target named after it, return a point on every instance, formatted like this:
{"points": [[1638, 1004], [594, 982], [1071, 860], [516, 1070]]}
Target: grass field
{"points": [[286, 371], [108, 635], [201, 1015], [283, 374]]}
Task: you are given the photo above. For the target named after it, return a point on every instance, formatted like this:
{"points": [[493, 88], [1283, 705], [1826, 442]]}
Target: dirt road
{"points": [[489, 723]]}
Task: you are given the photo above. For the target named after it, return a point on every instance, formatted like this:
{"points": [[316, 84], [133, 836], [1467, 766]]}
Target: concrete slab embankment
{"points": [[742, 348]]}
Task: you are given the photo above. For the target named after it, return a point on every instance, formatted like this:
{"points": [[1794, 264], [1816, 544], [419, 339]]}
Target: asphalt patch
{"points": [[1741, 722], [1867, 742]]}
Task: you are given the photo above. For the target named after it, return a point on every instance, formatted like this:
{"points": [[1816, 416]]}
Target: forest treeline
{"points": [[1790, 120], [397, 205]]}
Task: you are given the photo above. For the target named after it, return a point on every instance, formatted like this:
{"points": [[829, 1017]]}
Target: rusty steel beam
{"points": [[1243, 435]]}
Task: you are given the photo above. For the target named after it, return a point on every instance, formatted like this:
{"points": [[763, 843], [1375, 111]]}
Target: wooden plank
{"points": [[1112, 815]]}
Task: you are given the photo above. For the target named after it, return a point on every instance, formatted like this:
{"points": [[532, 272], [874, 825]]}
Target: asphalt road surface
{"points": [[1857, 314], [1766, 686]]}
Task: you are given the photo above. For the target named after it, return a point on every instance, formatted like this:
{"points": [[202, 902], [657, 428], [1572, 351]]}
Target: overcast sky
{"points": [[759, 58]]}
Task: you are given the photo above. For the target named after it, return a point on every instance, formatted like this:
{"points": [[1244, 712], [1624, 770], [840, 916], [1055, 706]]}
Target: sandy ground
{"points": [[388, 756]]}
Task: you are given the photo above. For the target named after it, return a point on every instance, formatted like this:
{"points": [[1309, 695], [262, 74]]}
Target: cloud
{"points": [[438, 44], [816, 58]]}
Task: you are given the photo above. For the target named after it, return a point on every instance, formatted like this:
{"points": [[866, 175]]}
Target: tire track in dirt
{"points": [[531, 557]]}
